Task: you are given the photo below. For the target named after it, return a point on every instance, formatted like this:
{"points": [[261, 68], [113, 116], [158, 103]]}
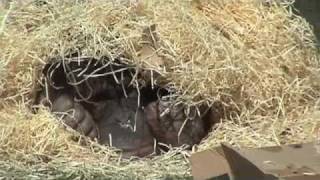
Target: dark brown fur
{"points": [[167, 121]]}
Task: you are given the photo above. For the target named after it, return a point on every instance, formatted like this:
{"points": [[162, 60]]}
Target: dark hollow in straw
{"points": [[103, 99]]}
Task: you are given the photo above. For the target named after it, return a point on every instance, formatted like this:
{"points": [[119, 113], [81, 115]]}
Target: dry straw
{"points": [[258, 61]]}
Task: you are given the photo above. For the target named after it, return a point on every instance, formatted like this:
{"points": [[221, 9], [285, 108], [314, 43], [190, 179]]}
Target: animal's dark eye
{"points": [[117, 120]]}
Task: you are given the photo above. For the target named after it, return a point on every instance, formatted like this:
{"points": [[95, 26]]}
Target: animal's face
{"points": [[124, 126]]}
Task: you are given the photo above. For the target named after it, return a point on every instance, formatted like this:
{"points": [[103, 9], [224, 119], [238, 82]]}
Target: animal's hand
{"points": [[75, 116]]}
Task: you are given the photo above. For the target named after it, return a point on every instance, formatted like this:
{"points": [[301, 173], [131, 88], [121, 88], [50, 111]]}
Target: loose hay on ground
{"points": [[260, 62], [39, 146]]}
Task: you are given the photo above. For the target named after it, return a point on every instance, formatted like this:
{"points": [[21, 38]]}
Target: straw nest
{"points": [[258, 62]]}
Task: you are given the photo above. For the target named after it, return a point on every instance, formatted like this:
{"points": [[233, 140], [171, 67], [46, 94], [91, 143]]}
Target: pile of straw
{"points": [[259, 62]]}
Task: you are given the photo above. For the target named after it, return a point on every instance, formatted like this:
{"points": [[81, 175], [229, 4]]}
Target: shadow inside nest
{"points": [[120, 105], [310, 11]]}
